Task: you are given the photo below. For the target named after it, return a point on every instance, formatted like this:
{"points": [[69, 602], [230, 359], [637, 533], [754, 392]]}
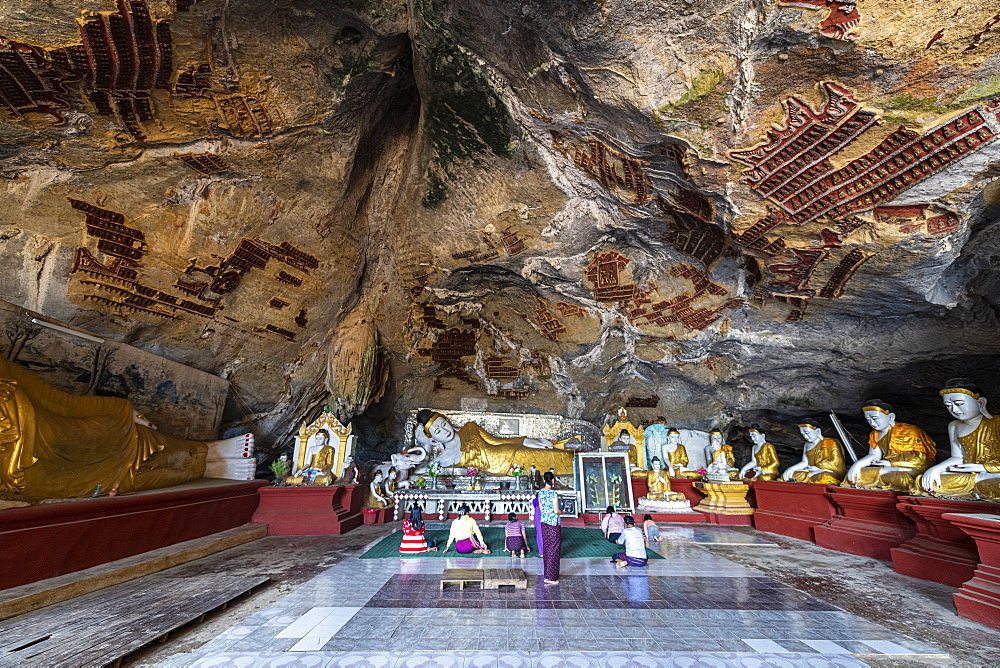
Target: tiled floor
{"points": [[692, 608]]}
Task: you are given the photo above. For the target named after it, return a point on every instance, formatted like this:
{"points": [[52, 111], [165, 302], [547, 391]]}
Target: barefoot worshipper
{"points": [[515, 538], [414, 541], [635, 546], [548, 504], [465, 534]]}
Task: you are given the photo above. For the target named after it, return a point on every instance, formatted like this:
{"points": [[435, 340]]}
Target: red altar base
{"points": [[791, 508], [686, 487], [310, 511], [867, 523], [940, 551], [979, 598], [54, 539]]}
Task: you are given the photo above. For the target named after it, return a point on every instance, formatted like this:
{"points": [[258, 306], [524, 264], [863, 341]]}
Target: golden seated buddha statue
{"points": [[973, 470], [822, 458], [899, 453]]}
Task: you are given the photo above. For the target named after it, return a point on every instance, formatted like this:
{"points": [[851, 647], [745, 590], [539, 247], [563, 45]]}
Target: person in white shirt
{"points": [[635, 546]]}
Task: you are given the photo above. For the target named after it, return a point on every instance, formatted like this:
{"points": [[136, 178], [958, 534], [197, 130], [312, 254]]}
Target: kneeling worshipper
{"points": [[635, 546], [414, 541], [612, 525], [465, 534], [515, 540]]}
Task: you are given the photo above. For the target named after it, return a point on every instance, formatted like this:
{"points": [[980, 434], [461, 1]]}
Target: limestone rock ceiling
{"points": [[712, 213]]}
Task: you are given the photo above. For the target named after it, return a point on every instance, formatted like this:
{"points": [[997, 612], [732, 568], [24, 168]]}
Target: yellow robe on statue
{"points": [[767, 460], [982, 446], [58, 445], [678, 458], [906, 446], [659, 487], [827, 454], [495, 455]]}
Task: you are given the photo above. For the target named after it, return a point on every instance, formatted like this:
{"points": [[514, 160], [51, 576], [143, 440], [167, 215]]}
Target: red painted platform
{"points": [[310, 511], [940, 551], [979, 598], [791, 508], [867, 523], [54, 539], [686, 487], [728, 520]]}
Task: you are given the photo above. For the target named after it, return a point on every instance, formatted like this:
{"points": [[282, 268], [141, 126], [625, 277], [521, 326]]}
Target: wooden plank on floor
{"points": [[100, 628]]}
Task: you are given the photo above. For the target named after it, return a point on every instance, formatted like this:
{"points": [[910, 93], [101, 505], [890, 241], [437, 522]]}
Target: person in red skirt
{"points": [[414, 541]]}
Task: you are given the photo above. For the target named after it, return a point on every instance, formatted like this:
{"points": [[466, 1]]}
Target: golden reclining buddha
{"points": [[54, 444]]}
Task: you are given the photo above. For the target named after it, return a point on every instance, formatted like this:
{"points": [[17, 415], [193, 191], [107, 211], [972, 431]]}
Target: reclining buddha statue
{"points": [[899, 452], [58, 445], [973, 470], [474, 447]]}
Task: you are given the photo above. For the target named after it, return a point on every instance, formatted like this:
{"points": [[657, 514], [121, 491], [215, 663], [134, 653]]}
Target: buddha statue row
{"points": [[901, 456]]}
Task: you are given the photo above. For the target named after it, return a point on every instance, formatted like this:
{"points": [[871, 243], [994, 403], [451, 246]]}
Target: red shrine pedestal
{"points": [[791, 508], [979, 598], [309, 511], [867, 523], [51, 539], [940, 551]]}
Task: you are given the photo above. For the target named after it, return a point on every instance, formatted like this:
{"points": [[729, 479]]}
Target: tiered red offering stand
{"points": [[310, 511], [940, 551], [791, 508], [979, 598], [867, 523]]}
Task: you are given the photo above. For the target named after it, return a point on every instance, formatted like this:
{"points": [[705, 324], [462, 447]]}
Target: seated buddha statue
{"points": [[474, 447], [898, 453], [659, 484], [677, 456], [763, 464], [973, 470], [822, 458], [58, 445], [717, 450], [319, 468]]}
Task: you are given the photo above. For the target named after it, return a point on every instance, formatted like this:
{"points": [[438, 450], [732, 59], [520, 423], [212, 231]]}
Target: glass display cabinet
{"points": [[605, 479]]}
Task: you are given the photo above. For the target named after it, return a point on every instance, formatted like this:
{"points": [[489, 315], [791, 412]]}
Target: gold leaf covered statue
{"points": [[973, 470], [822, 458], [58, 445], [474, 447], [899, 453], [659, 484], [678, 457], [763, 464]]}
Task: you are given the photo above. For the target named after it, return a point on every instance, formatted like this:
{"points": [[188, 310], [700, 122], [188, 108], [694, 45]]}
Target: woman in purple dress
{"points": [[538, 526]]}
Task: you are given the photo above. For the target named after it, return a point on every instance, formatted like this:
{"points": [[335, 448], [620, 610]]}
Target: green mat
{"points": [[576, 544]]}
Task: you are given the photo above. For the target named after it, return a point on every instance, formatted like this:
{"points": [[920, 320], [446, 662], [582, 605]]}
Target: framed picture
{"points": [[510, 427]]}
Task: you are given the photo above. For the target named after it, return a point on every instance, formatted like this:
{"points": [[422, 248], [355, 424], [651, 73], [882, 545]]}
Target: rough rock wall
{"points": [[716, 214]]}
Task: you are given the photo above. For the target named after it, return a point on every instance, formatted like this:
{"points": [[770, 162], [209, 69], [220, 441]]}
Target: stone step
{"points": [[26, 598]]}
